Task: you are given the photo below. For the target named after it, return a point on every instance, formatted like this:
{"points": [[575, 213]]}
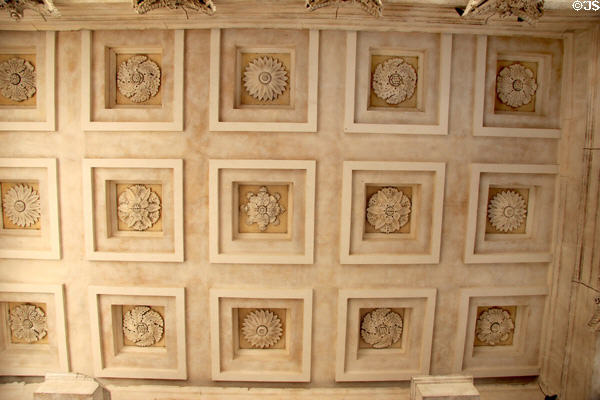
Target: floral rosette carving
{"points": [[139, 207], [262, 329], [138, 78], [515, 85], [507, 211], [494, 326], [394, 80], [28, 323], [143, 326], [17, 79], [263, 208], [22, 205], [381, 328], [265, 78], [388, 210]]}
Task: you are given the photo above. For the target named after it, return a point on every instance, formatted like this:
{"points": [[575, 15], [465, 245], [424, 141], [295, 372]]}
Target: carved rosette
{"points": [[21, 204], [507, 211], [16, 8], [373, 7], [143, 326], [17, 79], [138, 78], [494, 326], [388, 210], [265, 78], [204, 6], [515, 85], [28, 323], [262, 329], [139, 207], [381, 328], [263, 208], [527, 10], [394, 80]]}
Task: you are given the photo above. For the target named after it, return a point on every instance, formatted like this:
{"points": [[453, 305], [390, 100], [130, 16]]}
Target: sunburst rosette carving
{"points": [[494, 326], [138, 78], [139, 207], [516, 85], [381, 328], [263, 208], [262, 329], [265, 78], [21, 205], [28, 323], [394, 80], [507, 211], [388, 210], [143, 326], [17, 79]]}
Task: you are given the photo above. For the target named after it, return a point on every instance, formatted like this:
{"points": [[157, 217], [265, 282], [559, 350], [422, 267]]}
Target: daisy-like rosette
{"points": [[263, 208], [262, 328], [516, 85], [507, 211], [388, 210], [381, 328], [22, 205], [494, 326], [139, 207], [265, 78], [143, 326], [27, 322], [17, 79], [138, 78], [394, 80]]}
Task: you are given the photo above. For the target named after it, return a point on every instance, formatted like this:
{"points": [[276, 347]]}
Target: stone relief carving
{"points": [[16, 8], [373, 7], [139, 207], [263, 208], [17, 79], [526, 10], [262, 329], [204, 6], [394, 80], [143, 326], [381, 328], [507, 211], [515, 85], [265, 78], [594, 322], [28, 323], [21, 204], [494, 326], [138, 78], [388, 210]]}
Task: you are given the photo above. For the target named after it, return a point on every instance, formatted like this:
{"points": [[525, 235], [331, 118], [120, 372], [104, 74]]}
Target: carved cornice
{"points": [[204, 6], [525, 10], [373, 7], [16, 8]]}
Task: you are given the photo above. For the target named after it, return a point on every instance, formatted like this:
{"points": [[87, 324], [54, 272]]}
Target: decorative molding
{"points": [[516, 85], [381, 328], [143, 326], [44, 345], [21, 204], [204, 6], [388, 210], [373, 7], [142, 361], [351, 125], [265, 78], [28, 322], [526, 10], [262, 328], [507, 211], [394, 80], [16, 8], [139, 207], [17, 79], [138, 78]]}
